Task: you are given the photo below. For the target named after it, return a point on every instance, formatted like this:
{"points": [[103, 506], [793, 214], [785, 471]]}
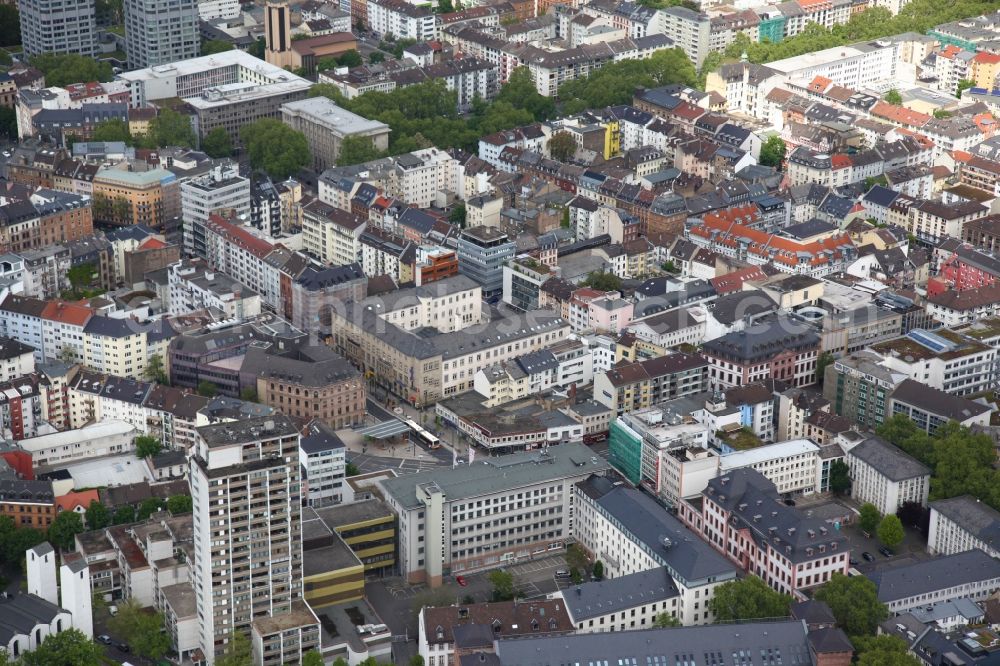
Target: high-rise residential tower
{"points": [[58, 26], [158, 32], [246, 492]]}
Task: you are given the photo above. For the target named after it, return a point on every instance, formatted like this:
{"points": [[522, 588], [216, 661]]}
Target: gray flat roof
{"points": [[599, 598], [939, 573], [973, 516], [249, 430], [494, 475], [889, 460]]}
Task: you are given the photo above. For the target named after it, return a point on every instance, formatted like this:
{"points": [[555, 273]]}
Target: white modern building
{"points": [[41, 565], [885, 476], [629, 532], [962, 523], [402, 19], [195, 287], [98, 439], [324, 461], [221, 189], [793, 466], [326, 125], [624, 603], [489, 513], [971, 574]]}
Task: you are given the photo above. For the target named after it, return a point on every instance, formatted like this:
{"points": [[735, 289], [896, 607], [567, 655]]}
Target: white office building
{"points": [[885, 476], [962, 523], [221, 189]]}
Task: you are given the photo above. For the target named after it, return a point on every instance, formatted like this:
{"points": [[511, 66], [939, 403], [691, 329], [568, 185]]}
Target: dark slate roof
{"points": [[978, 519], [937, 402], [313, 279], [940, 573], [315, 366], [700, 645], [595, 599], [830, 640], [688, 558], [319, 437], [813, 612], [22, 613], [763, 341], [732, 307], [889, 460], [113, 327], [11, 348]]}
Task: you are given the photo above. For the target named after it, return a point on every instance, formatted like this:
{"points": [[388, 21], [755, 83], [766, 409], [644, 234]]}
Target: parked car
{"points": [[104, 638], [885, 550], [854, 562], [123, 646], [562, 573], [868, 556], [461, 580]]}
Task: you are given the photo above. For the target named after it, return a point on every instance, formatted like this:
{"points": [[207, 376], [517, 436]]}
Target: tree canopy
{"points": [[503, 585], [210, 46], [854, 602], [171, 128], [772, 152], [141, 629], [615, 83], [275, 147], [10, 25], [67, 648], [146, 446], [97, 516], [603, 281], [519, 91], [883, 650], [840, 478], [62, 69], [749, 598], [64, 528], [355, 150], [562, 146], [893, 97], [869, 518], [217, 143], [890, 530], [238, 651], [179, 504]]}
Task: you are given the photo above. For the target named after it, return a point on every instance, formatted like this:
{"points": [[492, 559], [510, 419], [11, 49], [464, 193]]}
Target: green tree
{"points": [[854, 602], [603, 281], [81, 276], [822, 361], [520, 92], [64, 528], [179, 504], [840, 477], [416, 660], [148, 507], [238, 651], [141, 629], [351, 469], [562, 146], [503, 585], [69, 647], [772, 152], [8, 119], [146, 446], [869, 518], [258, 48], [210, 46], [275, 148], [893, 97], [112, 130], [964, 85], [249, 394], [15, 540], [62, 69], [331, 92], [355, 150], [312, 658], [207, 389], [665, 620], [615, 83], [884, 650], [97, 516], [217, 143], [155, 371], [458, 215], [376, 57], [564, 222], [350, 58], [598, 571], [171, 128], [124, 515], [748, 599], [890, 530], [576, 557]]}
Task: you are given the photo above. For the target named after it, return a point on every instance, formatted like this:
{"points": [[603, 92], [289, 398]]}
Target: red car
{"points": [[461, 581]]}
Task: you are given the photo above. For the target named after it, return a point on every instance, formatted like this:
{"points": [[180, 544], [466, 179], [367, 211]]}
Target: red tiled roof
{"points": [[899, 114], [152, 244], [241, 237], [73, 499], [986, 58], [67, 313], [840, 161]]}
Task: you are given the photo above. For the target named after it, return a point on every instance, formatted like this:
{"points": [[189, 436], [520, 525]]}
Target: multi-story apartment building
{"points": [[487, 514], [962, 523], [631, 386], [58, 27], [326, 125], [858, 387], [227, 90], [314, 294], [885, 476], [194, 287], [792, 466], [247, 570], [236, 252], [741, 515], [221, 189], [158, 32], [690, 31], [401, 19], [934, 221], [774, 349], [28, 503], [324, 464], [943, 359], [124, 198], [331, 234], [629, 532], [930, 408], [482, 254]]}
